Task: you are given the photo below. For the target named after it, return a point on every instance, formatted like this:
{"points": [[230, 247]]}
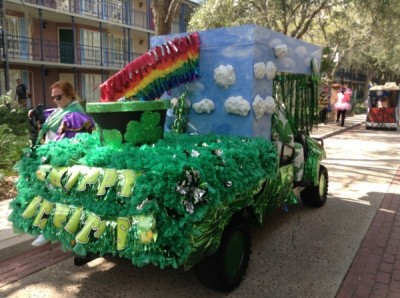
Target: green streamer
{"points": [[297, 94]]}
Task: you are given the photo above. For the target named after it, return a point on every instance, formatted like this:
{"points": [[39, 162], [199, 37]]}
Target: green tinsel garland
{"points": [[298, 95]]}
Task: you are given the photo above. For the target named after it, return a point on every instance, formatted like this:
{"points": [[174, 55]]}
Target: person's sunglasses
{"points": [[57, 97]]}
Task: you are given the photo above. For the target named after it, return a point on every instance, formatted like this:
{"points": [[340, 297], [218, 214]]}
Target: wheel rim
{"points": [[322, 186], [234, 253]]}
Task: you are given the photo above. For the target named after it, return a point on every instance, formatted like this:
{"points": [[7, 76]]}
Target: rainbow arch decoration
{"points": [[160, 69]]}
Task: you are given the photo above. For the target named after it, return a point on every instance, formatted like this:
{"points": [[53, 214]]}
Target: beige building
{"points": [[82, 41]]}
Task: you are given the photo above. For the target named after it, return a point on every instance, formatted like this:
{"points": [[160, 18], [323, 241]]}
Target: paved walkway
{"points": [[375, 270]]}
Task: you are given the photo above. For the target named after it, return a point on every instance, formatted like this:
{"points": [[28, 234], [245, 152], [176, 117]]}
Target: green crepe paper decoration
{"points": [[230, 170], [147, 130]]}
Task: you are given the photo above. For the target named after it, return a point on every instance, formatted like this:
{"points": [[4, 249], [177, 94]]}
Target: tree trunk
{"points": [[370, 74], [164, 12]]}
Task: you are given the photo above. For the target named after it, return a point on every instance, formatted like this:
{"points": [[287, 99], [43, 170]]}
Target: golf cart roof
{"points": [[387, 86]]}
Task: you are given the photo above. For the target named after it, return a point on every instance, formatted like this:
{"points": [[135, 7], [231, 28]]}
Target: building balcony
{"points": [[108, 10], [30, 50]]}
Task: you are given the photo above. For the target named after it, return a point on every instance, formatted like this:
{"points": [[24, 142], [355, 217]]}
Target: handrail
{"points": [[28, 49], [108, 10]]}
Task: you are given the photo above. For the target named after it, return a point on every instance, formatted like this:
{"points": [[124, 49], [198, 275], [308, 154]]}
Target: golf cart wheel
{"points": [[224, 270], [83, 260], [315, 195]]}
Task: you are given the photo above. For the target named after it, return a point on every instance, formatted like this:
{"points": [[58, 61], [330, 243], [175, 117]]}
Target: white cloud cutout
{"points": [[270, 105], [258, 107], [262, 106], [259, 70], [237, 105], [270, 70], [204, 106], [224, 75], [281, 50]]}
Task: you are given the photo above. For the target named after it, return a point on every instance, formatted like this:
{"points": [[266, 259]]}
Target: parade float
{"points": [[383, 107], [196, 140]]}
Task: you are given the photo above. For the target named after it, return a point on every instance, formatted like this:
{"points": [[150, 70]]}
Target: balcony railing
{"points": [[29, 49], [115, 11]]}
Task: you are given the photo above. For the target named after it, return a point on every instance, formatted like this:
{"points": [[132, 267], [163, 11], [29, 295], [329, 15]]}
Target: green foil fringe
{"points": [[298, 95], [315, 155]]}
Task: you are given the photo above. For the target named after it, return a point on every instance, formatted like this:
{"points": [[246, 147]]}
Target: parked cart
{"points": [[383, 107]]}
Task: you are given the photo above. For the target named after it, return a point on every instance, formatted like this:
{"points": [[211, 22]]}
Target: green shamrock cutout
{"points": [[112, 138], [148, 130], [283, 129]]}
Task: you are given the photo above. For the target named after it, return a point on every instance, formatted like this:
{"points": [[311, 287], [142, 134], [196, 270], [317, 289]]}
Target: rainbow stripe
{"points": [[160, 69]]}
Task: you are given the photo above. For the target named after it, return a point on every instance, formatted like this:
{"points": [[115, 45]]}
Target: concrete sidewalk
{"points": [[12, 244]]}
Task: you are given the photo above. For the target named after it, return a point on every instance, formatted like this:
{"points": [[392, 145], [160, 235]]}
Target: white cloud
{"points": [[225, 75], [259, 70], [270, 70], [237, 105], [262, 106], [281, 50], [259, 106]]}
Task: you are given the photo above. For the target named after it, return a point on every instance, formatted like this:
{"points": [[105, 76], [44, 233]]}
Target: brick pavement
{"points": [[375, 270], [22, 265]]}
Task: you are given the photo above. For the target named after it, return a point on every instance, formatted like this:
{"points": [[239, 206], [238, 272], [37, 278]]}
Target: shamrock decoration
{"points": [[112, 138], [148, 130]]}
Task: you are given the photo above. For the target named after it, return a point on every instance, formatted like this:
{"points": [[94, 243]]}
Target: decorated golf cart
{"points": [[383, 107], [196, 139]]}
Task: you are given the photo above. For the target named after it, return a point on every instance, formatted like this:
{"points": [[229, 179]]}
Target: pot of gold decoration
{"points": [[133, 122]]}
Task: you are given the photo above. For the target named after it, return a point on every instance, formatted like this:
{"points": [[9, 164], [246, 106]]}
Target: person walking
{"points": [[21, 93], [342, 105]]}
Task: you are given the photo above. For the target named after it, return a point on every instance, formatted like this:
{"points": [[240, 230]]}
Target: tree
{"points": [[291, 17], [360, 36], [355, 34], [164, 12]]}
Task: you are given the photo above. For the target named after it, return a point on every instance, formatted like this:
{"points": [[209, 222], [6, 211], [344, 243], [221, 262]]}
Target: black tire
{"points": [[83, 260], [224, 270], [315, 195]]}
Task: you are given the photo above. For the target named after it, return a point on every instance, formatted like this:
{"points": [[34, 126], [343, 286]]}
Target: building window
{"points": [[90, 87], [90, 49], [17, 40], [117, 53], [91, 7]]}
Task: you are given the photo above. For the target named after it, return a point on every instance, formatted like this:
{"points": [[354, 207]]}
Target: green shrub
{"points": [[14, 135], [359, 108]]}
